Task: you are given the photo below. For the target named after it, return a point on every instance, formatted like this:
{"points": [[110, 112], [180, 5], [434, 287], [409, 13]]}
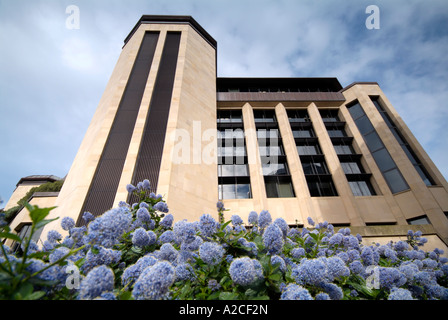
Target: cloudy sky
{"points": [[52, 77]]}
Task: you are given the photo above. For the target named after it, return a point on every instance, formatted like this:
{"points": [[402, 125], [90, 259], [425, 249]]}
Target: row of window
{"points": [[231, 146]]}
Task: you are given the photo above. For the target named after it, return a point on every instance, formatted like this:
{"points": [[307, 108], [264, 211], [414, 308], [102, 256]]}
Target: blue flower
{"points": [[143, 214], [87, 217], [107, 229], [207, 225], [244, 271], [390, 277], [184, 231], [211, 253], [356, 267], [100, 255], [130, 188], [146, 185], [236, 220], [53, 236], [154, 282], [213, 285], [336, 267], [297, 253], [132, 272], [264, 219], [322, 296], [220, 206], [98, 280], [311, 272], [279, 262], [253, 218], [310, 221], [273, 239], [367, 256], [185, 271], [168, 252], [295, 292], [167, 221], [400, 294], [167, 236], [281, 223], [161, 206], [57, 254], [140, 238], [67, 223], [334, 291]]}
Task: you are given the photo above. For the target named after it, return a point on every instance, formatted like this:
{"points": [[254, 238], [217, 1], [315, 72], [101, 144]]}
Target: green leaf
{"points": [[12, 236], [36, 295], [38, 214], [228, 296], [43, 223], [125, 295]]}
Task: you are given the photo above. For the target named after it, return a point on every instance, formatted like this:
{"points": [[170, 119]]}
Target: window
{"points": [[24, 231], [402, 141], [351, 167], [336, 132], [321, 189], [279, 187], [305, 150], [380, 154], [303, 133], [419, 220], [233, 171], [329, 115], [298, 115], [230, 170], [264, 116], [234, 191], [361, 188], [311, 167], [274, 169], [343, 149], [229, 116], [268, 134], [266, 151]]}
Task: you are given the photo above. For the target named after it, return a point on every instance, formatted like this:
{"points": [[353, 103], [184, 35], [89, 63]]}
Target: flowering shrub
{"points": [[138, 252]]}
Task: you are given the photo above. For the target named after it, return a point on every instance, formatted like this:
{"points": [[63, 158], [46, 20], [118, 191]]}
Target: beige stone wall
{"points": [[20, 191], [23, 215], [194, 99]]}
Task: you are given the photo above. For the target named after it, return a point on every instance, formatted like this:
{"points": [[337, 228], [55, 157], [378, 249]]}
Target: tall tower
{"points": [[165, 77]]}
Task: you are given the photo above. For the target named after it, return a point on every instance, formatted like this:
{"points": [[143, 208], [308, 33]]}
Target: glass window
{"points": [[308, 150], [241, 170], [285, 190], [274, 169], [364, 125], [271, 189], [321, 189], [350, 167], [395, 181], [228, 191], [243, 191], [356, 111], [383, 160], [419, 220], [304, 133], [343, 149], [360, 188], [334, 132], [373, 141], [314, 167]]}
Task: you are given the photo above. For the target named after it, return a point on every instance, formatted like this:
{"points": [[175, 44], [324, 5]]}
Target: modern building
{"points": [[298, 147]]}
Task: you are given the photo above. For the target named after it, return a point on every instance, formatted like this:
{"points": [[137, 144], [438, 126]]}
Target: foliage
{"points": [[138, 252]]}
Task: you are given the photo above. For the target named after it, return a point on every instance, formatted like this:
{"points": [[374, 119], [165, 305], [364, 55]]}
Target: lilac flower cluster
{"points": [[131, 249]]}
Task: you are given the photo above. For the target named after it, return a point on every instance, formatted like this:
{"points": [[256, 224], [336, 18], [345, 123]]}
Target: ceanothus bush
{"points": [[139, 251]]}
